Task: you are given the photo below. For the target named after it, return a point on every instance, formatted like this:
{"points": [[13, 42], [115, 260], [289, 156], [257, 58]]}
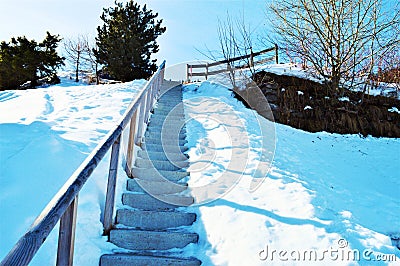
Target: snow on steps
{"points": [[147, 202], [155, 187], [166, 135], [165, 141], [152, 222], [143, 260], [152, 174], [160, 164], [165, 148], [173, 157], [151, 240]]}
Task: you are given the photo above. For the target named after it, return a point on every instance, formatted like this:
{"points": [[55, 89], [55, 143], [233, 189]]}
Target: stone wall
{"points": [[315, 107]]}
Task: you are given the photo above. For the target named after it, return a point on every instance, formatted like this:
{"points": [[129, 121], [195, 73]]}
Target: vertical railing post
{"points": [[162, 73], [206, 71], [151, 92], [148, 104], [251, 63], [131, 144], [66, 236], [112, 181], [276, 54], [141, 120]]}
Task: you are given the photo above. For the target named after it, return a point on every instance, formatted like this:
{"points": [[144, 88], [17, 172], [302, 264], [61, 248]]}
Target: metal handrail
{"points": [[63, 206]]}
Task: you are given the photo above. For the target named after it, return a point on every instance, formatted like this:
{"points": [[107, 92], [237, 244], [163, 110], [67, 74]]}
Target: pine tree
{"points": [[127, 39], [23, 61]]}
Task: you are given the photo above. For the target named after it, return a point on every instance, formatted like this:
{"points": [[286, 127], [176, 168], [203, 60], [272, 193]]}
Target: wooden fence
{"points": [[63, 206], [250, 58]]}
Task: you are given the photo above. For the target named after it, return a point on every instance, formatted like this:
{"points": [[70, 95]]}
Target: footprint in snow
{"points": [[87, 107], [7, 95]]}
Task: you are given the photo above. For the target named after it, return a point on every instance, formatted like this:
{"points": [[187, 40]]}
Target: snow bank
{"points": [[324, 192], [45, 134], [321, 192]]}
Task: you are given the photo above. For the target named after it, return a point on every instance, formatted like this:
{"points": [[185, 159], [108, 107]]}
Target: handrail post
{"points": [[141, 121], [66, 236], [251, 63], [162, 74], [112, 181], [131, 144], [148, 104], [276, 54], [151, 95]]}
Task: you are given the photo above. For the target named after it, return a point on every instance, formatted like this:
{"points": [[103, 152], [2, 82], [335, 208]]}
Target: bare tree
{"points": [[236, 39], [337, 37], [228, 45], [389, 61], [77, 51], [91, 59]]}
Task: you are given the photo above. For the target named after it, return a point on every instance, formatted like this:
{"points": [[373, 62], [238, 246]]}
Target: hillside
{"points": [[320, 190], [313, 106]]}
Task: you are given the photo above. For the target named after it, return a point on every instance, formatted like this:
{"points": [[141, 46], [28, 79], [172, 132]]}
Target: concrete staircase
{"points": [[153, 220]]}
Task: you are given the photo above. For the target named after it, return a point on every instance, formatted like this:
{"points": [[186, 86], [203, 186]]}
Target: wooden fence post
{"points": [[131, 144], [251, 63], [149, 101], [141, 121], [112, 181], [66, 235]]}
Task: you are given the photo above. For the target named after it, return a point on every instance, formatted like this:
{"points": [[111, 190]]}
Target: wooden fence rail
{"points": [[250, 57], [63, 206]]}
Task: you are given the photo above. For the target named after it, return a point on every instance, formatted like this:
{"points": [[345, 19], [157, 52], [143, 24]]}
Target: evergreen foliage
{"points": [[127, 39], [25, 63]]}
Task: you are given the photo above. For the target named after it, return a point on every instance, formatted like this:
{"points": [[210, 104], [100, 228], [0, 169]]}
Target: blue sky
{"points": [[191, 24]]}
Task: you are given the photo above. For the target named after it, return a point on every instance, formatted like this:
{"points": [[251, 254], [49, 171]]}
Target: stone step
{"points": [[154, 220], [155, 187], [150, 203], [152, 174], [159, 165], [172, 95], [166, 130], [151, 240], [171, 98], [161, 117], [174, 112], [159, 128], [149, 147], [173, 109], [161, 156], [170, 115], [167, 120], [166, 141], [125, 259], [166, 135], [176, 105]]}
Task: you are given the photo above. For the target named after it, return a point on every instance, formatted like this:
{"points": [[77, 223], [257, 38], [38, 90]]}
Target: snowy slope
{"points": [[323, 192], [44, 136], [319, 189]]}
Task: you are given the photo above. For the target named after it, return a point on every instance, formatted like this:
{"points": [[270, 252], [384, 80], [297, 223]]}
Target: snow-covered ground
{"points": [[320, 193], [289, 69], [45, 134], [324, 192]]}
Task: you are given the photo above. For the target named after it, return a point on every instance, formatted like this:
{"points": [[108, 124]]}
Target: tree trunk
{"points": [[77, 68]]}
